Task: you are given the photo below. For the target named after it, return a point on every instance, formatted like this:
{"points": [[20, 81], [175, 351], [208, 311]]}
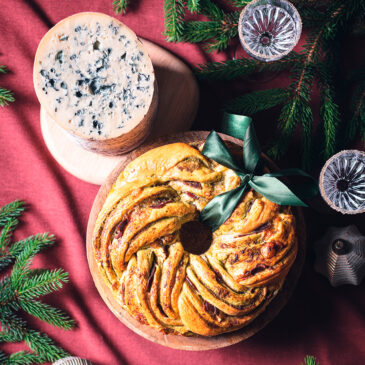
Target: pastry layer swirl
{"points": [[137, 245]]}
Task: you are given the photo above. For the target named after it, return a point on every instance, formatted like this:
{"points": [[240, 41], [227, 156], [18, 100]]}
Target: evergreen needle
{"points": [[240, 3], [46, 313], [232, 69], [255, 102], [10, 211], [174, 19], [3, 69], [6, 96], [193, 5], [310, 360], [6, 234], [120, 6], [21, 290]]}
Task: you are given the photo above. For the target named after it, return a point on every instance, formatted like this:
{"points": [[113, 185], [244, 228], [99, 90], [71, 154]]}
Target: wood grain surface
{"points": [[178, 102], [197, 343]]}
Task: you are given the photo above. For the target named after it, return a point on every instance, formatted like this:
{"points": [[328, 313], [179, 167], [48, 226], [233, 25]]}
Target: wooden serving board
{"points": [[197, 343], [178, 103]]}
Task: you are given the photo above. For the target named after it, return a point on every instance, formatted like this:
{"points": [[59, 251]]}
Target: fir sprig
{"points": [[214, 34], [174, 12], [329, 111], [193, 5], [226, 31], [313, 63], [310, 360], [10, 211], [6, 96], [120, 6], [298, 110], [232, 69], [357, 121], [257, 101], [240, 3], [21, 289]]}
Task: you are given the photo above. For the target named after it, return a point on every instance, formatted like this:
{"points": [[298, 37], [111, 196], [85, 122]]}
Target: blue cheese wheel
{"points": [[94, 77]]}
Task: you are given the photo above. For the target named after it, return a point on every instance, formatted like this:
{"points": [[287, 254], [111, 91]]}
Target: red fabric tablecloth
{"points": [[318, 320]]}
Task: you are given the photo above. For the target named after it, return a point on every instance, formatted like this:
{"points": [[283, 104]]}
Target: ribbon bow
{"points": [[220, 208]]}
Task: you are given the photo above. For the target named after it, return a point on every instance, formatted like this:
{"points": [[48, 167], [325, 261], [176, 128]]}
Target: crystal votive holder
{"points": [[342, 182], [269, 29]]}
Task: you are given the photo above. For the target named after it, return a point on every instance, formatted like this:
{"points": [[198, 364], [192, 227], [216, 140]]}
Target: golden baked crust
{"points": [[136, 243]]}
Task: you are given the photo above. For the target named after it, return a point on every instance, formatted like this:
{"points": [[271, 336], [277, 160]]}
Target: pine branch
{"points": [[193, 5], [46, 313], [310, 360], [42, 282], [211, 10], [3, 69], [20, 290], [307, 126], [5, 261], [329, 111], [303, 77], [21, 358], [331, 118], [43, 346], [257, 101], [226, 70], [174, 13], [32, 246], [297, 109], [217, 44], [232, 69], [6, 293], [10, 211], [228, 30], [6, 234], [357, 121], [12, 326], [312, 16], [6, 96], [240, 3], [120, 6], [197, 31]]}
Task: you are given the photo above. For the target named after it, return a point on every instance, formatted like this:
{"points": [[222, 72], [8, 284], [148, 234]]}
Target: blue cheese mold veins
{"points": [[93, 76]]}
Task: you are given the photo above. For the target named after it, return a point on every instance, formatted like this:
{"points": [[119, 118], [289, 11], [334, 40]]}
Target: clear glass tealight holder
{"points": [[342, 182], [269, 29]]}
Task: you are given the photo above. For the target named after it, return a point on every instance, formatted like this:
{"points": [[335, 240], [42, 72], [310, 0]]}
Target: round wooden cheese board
{"points": [[178, 103], [197, 343]]}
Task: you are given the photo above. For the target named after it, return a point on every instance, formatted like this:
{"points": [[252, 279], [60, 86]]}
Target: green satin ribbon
{"points": [[219, 209]]}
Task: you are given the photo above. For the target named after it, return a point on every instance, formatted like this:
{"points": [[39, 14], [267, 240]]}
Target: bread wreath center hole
{"points": [[195, 237]]}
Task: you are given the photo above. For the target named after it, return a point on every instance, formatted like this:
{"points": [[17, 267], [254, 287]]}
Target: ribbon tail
{"points": [[219, 209], [308, 189], [274, 190]]}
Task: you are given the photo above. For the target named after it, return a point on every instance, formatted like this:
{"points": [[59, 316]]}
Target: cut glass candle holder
{"points": [[342, 182], [269, 29]]}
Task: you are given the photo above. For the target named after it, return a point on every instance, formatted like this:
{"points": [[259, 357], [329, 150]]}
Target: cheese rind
{"points": [[94, 77]]}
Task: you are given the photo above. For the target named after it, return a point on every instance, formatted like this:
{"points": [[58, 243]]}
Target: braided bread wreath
{"points": [[137, 246]]}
